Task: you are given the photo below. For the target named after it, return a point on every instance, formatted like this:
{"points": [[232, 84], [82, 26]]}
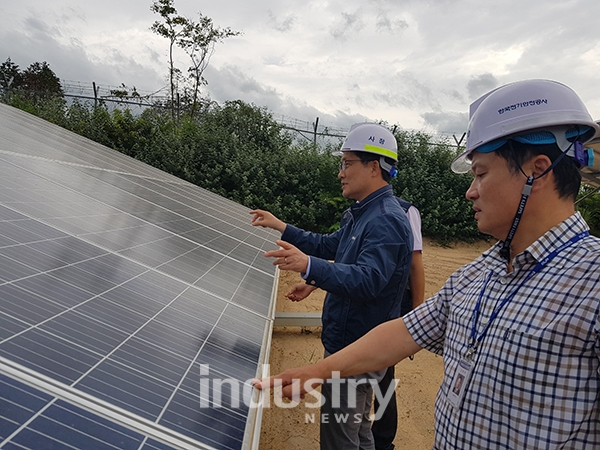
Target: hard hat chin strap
{"points": [[505, 250]]}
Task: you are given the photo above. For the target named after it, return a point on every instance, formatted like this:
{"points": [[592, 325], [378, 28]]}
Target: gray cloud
{"points": [[230, 82], [349, 24], [447, 122], [418, 64], [385, 23], [480, 84], [282, 24]]}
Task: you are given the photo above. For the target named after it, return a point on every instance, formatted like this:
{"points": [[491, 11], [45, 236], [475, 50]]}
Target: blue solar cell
{"points": [[85, 331], [56, 424], [9, 214], [119, 317], [9, 326], [185, 417], [147, 358], [84, 280], [69, 249], [29, 256], [232, 363], [129, 389], [176, 340], [18, 404], [156, 286], [112, 267], [117, 281], [66, 426], [54, 290], [25, 306], [49, 355], [194, 313]]}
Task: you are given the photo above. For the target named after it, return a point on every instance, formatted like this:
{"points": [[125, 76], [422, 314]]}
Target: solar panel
{"points": [[126, 296]]}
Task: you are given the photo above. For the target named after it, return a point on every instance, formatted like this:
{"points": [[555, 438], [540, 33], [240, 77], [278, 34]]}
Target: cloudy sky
{"points": [[414, 63]]}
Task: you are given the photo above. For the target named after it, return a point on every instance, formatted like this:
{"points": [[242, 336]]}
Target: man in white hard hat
{"points": [[366, 282], [519, 327]]}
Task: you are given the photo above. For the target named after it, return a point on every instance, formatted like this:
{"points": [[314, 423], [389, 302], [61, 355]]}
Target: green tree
{"points": [[196, 39], [41, 82], [37, 90], [10, 76]]}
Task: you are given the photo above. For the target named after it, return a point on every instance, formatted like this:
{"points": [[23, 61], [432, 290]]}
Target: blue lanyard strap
{"points": [[474, 339]]}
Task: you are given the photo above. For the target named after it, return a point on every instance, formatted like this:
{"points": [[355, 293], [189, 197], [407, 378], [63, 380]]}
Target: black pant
{"points": [[384, 429]]}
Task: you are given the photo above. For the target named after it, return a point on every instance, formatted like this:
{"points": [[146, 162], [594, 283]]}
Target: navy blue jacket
{"points": [[372, 253]]}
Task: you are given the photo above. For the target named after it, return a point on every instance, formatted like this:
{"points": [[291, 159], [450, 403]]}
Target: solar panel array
{"points": [[122, 290]]}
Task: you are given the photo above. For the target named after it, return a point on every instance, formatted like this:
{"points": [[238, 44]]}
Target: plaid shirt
{"points": [[536, 377]]}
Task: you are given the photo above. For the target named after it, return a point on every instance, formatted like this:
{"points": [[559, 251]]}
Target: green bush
{"points": [[588, 205], [425, 179]]}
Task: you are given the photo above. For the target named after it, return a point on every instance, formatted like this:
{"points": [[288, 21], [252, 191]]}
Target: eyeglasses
{"points": [[344, 164]]}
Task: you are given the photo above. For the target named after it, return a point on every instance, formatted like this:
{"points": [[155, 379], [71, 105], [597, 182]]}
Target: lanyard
{"points": [[474, 339]]}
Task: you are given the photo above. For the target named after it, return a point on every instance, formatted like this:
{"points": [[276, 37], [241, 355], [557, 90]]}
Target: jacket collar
{"points": [[359, 207]]}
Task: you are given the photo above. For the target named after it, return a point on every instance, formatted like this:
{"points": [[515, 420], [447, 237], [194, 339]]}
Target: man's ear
{"points": [[537, 165], [375, 168]]}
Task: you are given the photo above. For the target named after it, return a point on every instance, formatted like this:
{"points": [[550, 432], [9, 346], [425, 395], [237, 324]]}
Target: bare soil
{"points": [[294, 429]]}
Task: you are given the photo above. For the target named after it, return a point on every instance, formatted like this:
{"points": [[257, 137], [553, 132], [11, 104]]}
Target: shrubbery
{"points": [[425, 179]]}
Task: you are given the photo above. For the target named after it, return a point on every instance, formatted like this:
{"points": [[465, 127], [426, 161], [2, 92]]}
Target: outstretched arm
{"points": [[364, 355]]}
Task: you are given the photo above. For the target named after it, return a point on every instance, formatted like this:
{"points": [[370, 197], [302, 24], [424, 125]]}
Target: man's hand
{"points": [[300, 291], [288, 257], [267, 220], [295, 383]]}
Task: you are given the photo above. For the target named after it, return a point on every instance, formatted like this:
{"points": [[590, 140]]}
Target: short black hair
{"points": [[366, 157], [567, 177]]}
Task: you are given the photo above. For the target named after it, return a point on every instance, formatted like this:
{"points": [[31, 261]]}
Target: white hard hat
{"points": [[370, 138], [526, 106]]}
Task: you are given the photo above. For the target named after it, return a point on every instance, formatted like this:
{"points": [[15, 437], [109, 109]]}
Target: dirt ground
{"points": [[294, 429]]}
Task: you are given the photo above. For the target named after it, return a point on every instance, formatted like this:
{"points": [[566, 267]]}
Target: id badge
{"points": [[460, 381]]}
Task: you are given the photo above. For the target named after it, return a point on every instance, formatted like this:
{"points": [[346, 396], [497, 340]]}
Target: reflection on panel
{"points": [[123, 291]]}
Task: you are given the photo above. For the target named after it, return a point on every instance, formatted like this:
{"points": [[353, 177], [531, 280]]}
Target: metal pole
{"points": [[95, 94]]}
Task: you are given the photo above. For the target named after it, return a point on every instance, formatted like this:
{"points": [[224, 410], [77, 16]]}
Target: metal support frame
{"points": [[297, 319]]}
